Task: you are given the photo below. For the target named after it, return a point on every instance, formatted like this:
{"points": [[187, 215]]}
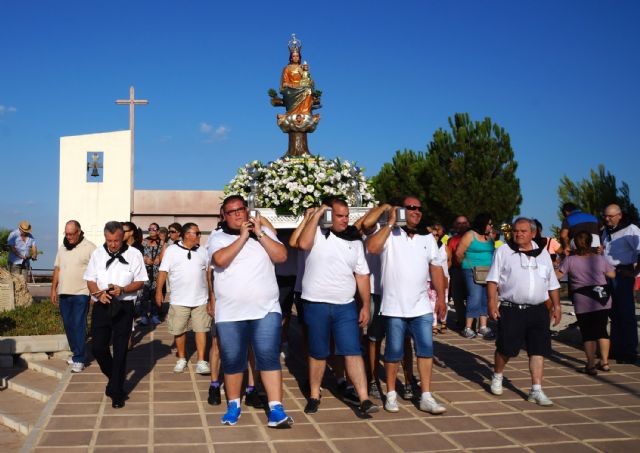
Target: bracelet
{"points": [[260, 236]]}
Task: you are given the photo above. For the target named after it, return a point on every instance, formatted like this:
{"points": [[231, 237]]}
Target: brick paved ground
{"points": [[169, 412]]}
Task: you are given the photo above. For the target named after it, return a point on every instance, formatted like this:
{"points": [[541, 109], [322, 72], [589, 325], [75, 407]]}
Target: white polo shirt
{"points": [[405, 273], [329, 268], [522, 279], [247, 288], [187, 277], [623, 246], [118, 273]]}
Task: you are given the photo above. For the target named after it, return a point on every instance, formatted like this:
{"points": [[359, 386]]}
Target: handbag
{"points": [[480, 274]]}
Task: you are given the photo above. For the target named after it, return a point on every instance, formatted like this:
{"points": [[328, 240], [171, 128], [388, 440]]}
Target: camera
{"points": [[401, 217], [327, 219], [253, 213]]}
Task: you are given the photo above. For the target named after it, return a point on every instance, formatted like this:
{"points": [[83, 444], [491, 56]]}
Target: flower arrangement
{"points": [[292, 184]]}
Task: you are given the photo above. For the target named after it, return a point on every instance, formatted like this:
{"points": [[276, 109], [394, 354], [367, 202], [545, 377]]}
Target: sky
{"points": [[561, 77]]}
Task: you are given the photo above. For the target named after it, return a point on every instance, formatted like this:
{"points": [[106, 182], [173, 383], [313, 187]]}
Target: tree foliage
{"points": [[403, 175], [594, 193], [467, 170], [4, 248]]}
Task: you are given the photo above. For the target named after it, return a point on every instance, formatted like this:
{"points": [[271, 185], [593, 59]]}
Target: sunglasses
{"points": [[197, 233], [173, 231], [412, 207], [153, 229], [126, 231], [235, 211]]}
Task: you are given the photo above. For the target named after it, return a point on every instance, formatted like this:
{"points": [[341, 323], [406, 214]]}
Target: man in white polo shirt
{"points": [[334, 267], [247, 307], [114, 275], [410, 259], [521, 277], [186, 265]]}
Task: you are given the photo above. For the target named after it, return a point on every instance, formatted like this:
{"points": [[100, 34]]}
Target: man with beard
{"points": [[69, 291], [114, 275], [410, 259], [621, 240], [523, 274], [335, 266]]}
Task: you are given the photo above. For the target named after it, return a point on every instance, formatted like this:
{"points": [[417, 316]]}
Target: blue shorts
{"points": [[420, 329], [263, 334], [324, 320]]}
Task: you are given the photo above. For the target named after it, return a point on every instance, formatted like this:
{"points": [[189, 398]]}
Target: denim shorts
{"points": [[420, 328], [476, 296], [324, 320], [263, 334]]}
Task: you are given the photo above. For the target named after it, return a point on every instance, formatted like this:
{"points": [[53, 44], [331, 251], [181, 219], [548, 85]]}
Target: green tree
{"points": [[402, 176], [594, 193], [472, 169], [4, 249]]}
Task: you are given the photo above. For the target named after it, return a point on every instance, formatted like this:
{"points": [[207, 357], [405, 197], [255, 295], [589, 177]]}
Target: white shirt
{"points": [[247, 288], [522, 279], [187, 277], [405, 273], [623, 246], [118, 273], [329, 268]]}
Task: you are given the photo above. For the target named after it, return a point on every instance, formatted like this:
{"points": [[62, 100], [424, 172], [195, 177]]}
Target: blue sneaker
{"points": [[232, 415], [278, 418]]}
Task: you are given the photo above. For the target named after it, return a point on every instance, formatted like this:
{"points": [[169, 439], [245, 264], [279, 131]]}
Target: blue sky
{"points": [[560, 76]]}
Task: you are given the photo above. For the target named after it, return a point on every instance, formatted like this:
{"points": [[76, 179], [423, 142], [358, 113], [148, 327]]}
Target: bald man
{"points": [[621, 240]]}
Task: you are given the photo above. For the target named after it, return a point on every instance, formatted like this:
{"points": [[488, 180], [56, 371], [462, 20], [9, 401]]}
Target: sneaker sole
{"points": [[392, 409], [282, 424], [434, 412], [532, 400], [371, 410], [203, 372], [496, 392], [230, 423]]}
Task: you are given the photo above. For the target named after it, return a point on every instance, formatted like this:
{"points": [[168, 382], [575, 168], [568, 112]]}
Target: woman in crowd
{"points": [[590, 295], [152, 246], [476, 249]]}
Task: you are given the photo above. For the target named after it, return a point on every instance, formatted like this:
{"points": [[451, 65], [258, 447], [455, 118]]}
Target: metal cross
{"points": [[132, 101]]}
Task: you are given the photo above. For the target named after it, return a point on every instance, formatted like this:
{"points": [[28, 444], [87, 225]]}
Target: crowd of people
{"points": [[388, 276]]}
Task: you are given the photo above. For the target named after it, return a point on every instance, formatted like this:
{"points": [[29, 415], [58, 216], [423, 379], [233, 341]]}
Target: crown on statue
{"points": [[295, 45]]}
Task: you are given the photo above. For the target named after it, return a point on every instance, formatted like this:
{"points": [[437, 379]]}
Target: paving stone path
{"points": [[169, 412]]}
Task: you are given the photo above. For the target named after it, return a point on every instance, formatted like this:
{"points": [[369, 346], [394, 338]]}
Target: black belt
{"points": [[506, 303], [624, 267]]}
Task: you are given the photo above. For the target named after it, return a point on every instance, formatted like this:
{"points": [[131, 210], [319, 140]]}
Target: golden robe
{"points": [[297, 99]]}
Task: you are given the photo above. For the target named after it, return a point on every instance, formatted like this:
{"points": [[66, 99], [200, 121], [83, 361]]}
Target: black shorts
{"points": [[593, 325], [518, 327], [285, 286]]}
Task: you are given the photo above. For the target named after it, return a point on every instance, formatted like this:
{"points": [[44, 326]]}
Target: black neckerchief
{"points": [[192, 249], [70, 246], [226, 229], [117, 255], [532, 252], [621, 226], [351, 233], [418, 231]]}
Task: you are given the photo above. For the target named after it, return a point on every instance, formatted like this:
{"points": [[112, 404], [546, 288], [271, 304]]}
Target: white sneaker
{"points": [[143, 321], [77, 367], [431, 405], [181, 364], [202, 367], [391, 403], [496, 385], [539, 398], [155, 320]]}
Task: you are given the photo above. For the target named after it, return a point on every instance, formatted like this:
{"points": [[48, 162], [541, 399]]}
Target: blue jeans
{"points": [[339, 320], [420, 328], [624, 328], [74, 317], [476, 296], [263, 334]]}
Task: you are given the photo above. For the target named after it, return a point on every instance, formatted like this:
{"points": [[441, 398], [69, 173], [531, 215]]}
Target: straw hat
{"points": [[24, 226]]}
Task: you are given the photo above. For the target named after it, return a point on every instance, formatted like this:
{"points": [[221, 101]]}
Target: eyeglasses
{"points": [[126, 231], [610, 216], [197, 233], [412, 207], [528, 263], [235, 211], [173, 231], [153, 229]]}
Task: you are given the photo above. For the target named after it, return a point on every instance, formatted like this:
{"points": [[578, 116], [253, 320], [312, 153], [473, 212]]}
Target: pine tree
{"points": [[402, 176]]}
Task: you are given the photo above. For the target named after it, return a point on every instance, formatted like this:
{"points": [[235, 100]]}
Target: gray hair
{"points": [[74, 223], [113, 226], [531, 222]]}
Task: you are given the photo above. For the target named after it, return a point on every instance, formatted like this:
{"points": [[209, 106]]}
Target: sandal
{"points": [[591, 371], [436, 331], [443, 327], [603, 367]]}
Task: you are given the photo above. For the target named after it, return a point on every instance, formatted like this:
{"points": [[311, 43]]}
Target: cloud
{"points": [[7, 109], [214, 134]]}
